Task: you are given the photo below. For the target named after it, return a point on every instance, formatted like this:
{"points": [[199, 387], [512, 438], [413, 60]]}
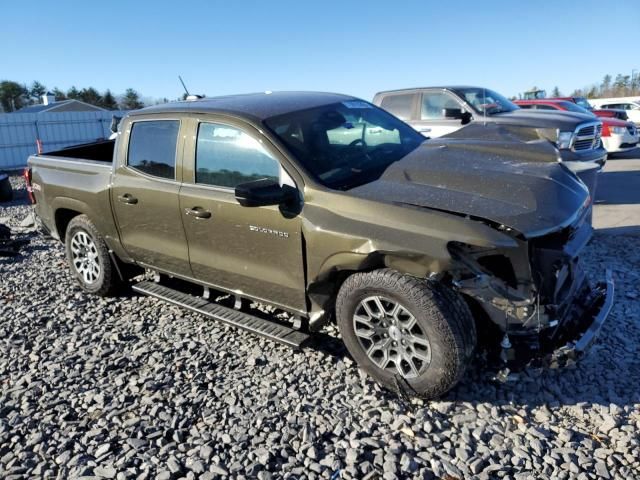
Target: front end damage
{"points": [[543, 309]]}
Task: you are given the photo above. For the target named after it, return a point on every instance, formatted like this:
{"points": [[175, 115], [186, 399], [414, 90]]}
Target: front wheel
{"points": [[407, 333], [88, 258]]}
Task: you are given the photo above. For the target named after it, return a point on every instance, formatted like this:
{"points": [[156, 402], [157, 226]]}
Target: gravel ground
{"points": [[134, 388]]}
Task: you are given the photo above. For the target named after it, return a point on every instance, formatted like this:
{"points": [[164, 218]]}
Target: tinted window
{"points": [[573, 107], [545, 107], [152, 147], [434, 102], [400, 105], [227, 156]]}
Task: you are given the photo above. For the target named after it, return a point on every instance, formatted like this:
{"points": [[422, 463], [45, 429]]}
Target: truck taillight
{"points": [[27, 179], [605, 130]]}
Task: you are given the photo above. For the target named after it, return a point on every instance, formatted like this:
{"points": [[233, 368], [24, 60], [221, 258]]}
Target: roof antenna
{"points": [[189, 97]]}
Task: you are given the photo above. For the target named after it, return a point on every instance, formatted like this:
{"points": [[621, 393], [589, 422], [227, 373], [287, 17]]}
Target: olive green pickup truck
{"points": [[325, 208]]}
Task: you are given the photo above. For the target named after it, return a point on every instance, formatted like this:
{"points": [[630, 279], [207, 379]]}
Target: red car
{"points": [[584, 103], [617, 135]]}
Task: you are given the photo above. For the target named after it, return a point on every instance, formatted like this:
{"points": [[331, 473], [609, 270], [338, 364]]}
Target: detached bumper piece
{"points": [[265, 328], [599, 304]]}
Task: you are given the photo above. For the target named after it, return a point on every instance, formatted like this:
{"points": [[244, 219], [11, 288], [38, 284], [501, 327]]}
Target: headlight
{"points": [[618, 130], [565, 139]]}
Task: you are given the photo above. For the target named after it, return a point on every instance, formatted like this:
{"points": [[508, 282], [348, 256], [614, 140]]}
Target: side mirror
{"points": [[259, 193], [115, 121], [452, 113]]}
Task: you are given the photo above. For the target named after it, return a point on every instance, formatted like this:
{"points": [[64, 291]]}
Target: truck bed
{"points": [[74, 179], [101, 151]]}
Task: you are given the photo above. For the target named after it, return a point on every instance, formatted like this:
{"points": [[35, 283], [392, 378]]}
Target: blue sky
{"points": [[355, 47]]}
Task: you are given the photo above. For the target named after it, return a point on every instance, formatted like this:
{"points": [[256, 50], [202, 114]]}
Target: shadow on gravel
{"points": [[321, 342]]}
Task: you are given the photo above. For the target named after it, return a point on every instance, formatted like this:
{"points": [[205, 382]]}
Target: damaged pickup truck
{"points": [[322, 207]]}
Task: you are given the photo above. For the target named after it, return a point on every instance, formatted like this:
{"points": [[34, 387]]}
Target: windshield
{"points": [[345, 144], [572, 107], [485, 101], [582, 102]]}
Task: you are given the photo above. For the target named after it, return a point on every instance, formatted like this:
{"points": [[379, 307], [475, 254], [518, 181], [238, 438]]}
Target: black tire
{"points": [[107, 282], [441, 314], [6, 192]]}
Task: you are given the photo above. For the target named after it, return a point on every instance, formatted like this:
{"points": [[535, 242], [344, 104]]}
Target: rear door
{"points": [[145, 193], [255, 252], [401, 104]]}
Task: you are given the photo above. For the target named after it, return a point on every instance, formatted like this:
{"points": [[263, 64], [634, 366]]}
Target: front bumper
{"points": [[571, 339], [600, 304], [597, 156], [620, 143]]}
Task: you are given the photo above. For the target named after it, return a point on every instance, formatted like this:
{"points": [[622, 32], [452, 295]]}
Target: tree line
{"points": [[14, 96], [620, 86]]}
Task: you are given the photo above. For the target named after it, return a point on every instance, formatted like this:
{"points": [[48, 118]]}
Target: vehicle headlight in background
{"points": [[618, 130], [565, 139]]}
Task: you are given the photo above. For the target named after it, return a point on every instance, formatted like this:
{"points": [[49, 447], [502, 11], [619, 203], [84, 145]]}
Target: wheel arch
{"points": [[62, 218], [323, 289]]}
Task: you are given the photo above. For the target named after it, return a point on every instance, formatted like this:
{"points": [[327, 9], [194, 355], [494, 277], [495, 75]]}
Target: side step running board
{"points": [[271, 330]]}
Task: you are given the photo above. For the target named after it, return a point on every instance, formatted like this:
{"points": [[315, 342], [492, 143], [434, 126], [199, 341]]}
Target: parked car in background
{"points": [[617, 135], [325, 208], [632, 107], [598, 112], [438, 111], [580, 101], [611, 113]]}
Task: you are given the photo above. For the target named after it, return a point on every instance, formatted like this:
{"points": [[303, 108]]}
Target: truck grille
{"points": [[587, 137]]}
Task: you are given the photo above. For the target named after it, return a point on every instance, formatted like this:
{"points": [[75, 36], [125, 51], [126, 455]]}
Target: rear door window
{"points": [[152, 147], [226, 156], [400, 105]]}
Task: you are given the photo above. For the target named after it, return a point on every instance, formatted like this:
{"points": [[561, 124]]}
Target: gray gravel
{"points": [[134, 388]]}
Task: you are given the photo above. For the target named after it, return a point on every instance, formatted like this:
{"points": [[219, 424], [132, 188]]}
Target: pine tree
{"points": [[556, 92], [13, 96], [605, 86], [73, 93], [91, 96], [109, 101], [131, 100], [59, 94], [36, 91]]}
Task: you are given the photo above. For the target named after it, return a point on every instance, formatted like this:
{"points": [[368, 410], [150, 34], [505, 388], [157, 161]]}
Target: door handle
{"points": [[198, 212], [128, 199]]}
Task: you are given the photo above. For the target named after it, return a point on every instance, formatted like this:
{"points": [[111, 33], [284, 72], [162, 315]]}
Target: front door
{"points": [[255, 252], [431, 119], [145, 195]]}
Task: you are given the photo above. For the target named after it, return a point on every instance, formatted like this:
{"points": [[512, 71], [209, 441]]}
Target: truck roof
{"points": [[440, 87], [257, 106]]}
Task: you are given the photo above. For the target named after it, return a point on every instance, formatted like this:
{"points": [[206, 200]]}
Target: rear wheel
{"points": [[89, 259], [407, 333]]}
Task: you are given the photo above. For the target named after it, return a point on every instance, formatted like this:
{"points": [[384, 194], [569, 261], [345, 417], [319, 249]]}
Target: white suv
{"points": [[632, 107]]}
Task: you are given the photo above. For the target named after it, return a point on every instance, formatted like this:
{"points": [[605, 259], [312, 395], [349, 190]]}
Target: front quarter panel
{"points": [[347, 233]]}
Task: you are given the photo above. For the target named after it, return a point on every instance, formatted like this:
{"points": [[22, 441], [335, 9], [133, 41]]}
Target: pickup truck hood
{"points": [[513, 183], [565, 121]]}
